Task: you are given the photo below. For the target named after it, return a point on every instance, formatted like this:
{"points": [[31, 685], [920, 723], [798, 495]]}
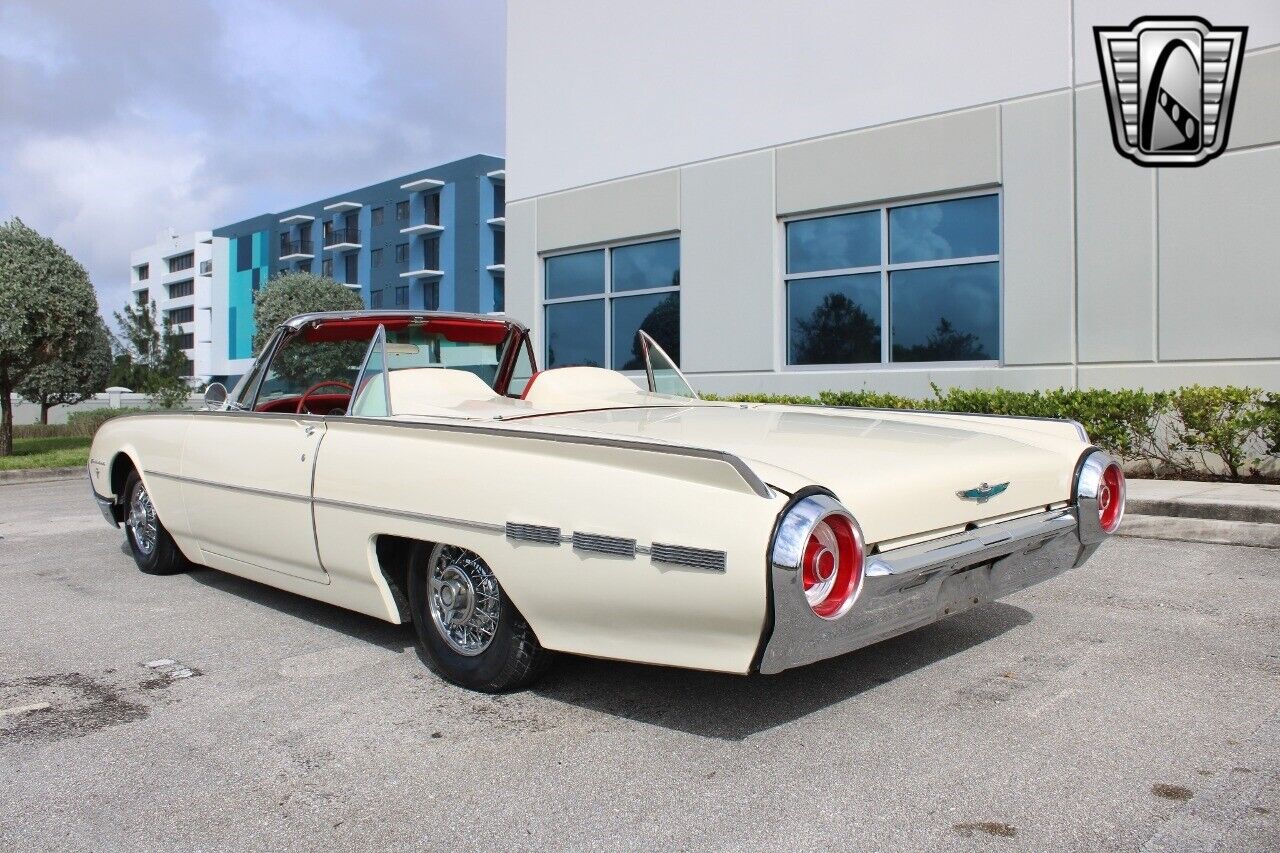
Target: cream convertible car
{"points": [[417, 467]]}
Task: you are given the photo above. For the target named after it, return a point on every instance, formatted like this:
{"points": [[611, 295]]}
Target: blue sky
{"points": [[120, 119]]}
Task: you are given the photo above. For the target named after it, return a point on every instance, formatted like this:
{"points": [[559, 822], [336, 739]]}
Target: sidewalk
{"points": [[1224, 513]]}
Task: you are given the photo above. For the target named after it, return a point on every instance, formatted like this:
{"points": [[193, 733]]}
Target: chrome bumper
{"points": [[106, 505], [913, 586]]}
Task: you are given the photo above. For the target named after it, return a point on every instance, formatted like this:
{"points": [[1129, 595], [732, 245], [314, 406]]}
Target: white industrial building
{"points": [[809, 195], [175, 273]]}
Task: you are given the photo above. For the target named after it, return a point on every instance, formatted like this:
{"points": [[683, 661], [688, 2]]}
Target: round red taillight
{"points": [[831, 568], [1111, 498]]}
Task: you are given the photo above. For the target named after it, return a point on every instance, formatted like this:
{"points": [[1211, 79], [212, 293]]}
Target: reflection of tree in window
{"points": [[944, 344], [663, 325], [838, 331]]}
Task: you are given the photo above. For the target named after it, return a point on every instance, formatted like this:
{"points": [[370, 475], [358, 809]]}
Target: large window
{"points": [[182, 288], [186, 340], [929, 272], [596, 301], [144, 271], [182, 262], [182, 315]]}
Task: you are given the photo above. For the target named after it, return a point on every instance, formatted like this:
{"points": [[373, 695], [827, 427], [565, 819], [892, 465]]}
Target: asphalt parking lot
{"points": [[1131, 704]]}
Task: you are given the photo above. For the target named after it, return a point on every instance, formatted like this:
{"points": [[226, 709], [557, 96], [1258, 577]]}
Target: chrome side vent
{"points": [[533, 533], [598, 544], [681, 555]]}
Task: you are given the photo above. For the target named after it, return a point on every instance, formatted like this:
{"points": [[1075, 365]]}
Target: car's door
{"points": [[246, 479]]}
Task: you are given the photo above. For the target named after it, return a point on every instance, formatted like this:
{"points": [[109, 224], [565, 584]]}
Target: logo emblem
{"points": [[982, 493], [1170, 85]]}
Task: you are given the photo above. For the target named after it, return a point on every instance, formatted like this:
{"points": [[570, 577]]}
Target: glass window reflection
{"points": [[579, 274], [646, 265], [834, 242], [834, 320], [961, 228], [656, 313], [946, 313], [575, 333]]}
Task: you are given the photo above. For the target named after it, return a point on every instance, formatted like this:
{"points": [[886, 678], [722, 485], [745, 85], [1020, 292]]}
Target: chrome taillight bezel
{"points": [[792, 538], [1088, 486]]}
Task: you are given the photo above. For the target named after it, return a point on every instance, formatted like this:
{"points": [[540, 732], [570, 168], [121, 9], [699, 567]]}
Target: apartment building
{"points": [[794, 197], [433, 239], [176, 274]]}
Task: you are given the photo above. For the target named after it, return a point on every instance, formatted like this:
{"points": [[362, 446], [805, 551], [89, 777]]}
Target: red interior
{"points": [[456, 329], [317, 404]]}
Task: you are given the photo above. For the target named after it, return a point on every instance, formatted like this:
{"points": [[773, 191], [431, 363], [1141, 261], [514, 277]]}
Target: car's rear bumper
{"points": [[909, 587]]}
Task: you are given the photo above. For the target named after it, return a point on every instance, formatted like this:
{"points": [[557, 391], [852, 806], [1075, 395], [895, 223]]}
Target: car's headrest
{"points": [[436, 387], [583, 388]]}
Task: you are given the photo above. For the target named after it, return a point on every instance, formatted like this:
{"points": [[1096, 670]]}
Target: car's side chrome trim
{"points": [[683, 555], [333, 502], [595, 543], [744, 470], [534, 533], [753, 481]]}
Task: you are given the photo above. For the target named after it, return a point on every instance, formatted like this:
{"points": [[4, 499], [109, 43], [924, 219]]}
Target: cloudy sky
{"points": [[120, 119]]}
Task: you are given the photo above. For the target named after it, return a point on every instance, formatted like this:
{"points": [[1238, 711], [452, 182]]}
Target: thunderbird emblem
{"points": [[982, 493], [1170, 85]]}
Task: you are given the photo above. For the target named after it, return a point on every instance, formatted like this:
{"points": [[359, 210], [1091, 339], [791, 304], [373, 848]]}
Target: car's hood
{"points": [[898, 473]]}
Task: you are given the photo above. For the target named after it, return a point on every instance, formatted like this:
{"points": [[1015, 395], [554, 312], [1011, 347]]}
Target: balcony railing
{"points": [[342, 236], [206, 268], [296, 247]]}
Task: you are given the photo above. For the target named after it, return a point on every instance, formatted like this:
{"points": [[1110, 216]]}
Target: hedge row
{"points": [[1188, 432], [84, 423]]}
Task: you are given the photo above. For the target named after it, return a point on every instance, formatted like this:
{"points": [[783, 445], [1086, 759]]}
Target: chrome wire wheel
{"points": [[143, 526], [465, 600]]}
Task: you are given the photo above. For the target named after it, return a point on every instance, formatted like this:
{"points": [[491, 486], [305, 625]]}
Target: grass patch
{"points": [[62, 451]]}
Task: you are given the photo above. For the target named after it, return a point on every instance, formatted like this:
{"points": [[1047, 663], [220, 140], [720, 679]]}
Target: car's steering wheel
{"points": [[338, 383]]}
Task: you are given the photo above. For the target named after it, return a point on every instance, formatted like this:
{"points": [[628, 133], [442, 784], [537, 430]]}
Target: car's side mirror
{"points": [[215, 396]]}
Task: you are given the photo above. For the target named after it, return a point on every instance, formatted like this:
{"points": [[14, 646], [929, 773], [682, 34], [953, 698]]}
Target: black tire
{"points": [[163, 558], [513, 658]]}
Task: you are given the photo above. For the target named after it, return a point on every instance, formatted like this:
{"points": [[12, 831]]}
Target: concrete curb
{"points": [[42, 475], [1206, 509], [1180, 529]]}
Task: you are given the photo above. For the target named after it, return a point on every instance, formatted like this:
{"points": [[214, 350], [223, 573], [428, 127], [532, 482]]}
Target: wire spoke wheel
{"points": [[464, 599], [142, 521]]}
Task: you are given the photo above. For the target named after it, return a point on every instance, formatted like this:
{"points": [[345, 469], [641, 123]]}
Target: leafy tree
{"points": [[838, 331], [663, 325], [152, 360], [70, 380], [295, 293], [46, 306], [944, 344], [300, 293]]}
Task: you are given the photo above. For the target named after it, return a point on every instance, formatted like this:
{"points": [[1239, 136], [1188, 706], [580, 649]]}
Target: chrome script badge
{"points": [[1171, 84], [982, 493]]}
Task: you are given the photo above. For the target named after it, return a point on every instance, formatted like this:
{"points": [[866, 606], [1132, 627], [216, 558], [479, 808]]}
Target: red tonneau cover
{"points": [[456, 329]]}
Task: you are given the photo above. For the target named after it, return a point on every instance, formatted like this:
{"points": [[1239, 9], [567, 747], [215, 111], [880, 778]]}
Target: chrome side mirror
{"points": [[215, 397]]}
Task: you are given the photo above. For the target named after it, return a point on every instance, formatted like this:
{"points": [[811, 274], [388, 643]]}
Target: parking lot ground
{"points": [[1133, 704]]}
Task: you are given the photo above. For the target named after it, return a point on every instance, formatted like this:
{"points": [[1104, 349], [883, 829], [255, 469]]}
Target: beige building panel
{"points": [[1256, 120], [909, 383], [925, 156], [634, 207], [1170, 375], [728, 282], [1115, 262], [522, 275], [1039, 230], [1219, 252]]}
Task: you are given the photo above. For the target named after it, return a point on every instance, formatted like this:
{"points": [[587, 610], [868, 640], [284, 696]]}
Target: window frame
{"points": [[885, 269], [607, 295]]}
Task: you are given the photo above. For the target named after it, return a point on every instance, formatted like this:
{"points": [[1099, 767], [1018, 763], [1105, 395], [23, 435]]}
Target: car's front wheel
{"points": [[153, 548], [469, 631]]}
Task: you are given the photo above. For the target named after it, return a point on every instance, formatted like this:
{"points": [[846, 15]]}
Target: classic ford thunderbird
{"points": [[418, 467]]}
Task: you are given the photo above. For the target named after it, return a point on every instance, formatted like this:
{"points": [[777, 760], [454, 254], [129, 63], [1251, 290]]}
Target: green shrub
{"points": [[1221, 421], [87, 423]]}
